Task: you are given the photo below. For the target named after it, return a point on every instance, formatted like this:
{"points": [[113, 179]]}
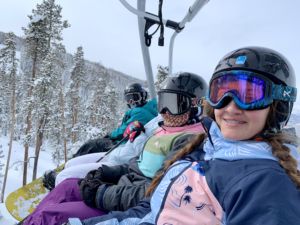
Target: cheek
{"points": [[218, 114], [259, 118]]}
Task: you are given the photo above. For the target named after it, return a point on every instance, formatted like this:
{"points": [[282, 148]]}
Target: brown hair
{"points": [[281, 151], [276, 140]]}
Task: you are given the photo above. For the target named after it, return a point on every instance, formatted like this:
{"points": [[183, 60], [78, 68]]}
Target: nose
{"points": [[232, 107]]}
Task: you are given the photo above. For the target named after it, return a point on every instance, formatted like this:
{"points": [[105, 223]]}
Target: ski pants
{"points": [[79, 166], [63, 202]]}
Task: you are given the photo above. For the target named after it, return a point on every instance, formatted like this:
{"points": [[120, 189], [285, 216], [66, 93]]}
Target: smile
{"points": [[233, 122]]}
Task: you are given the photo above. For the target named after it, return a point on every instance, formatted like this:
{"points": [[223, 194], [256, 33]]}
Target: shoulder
{"points": [[255, 190], [250, 176]]}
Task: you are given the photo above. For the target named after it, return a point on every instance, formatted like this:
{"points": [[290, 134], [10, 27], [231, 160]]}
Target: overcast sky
{"points": [[108, 32]]}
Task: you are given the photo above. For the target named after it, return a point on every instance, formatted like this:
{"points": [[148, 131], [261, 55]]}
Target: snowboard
{"points": [[24, 200]]}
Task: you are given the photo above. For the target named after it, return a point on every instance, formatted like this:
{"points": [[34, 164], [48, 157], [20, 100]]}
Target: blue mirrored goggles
{"points": [[249, 90]]}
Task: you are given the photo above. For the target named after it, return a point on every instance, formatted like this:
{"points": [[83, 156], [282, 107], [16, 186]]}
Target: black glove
{"points": [[89, 186], [94, 145], [49, 179]]}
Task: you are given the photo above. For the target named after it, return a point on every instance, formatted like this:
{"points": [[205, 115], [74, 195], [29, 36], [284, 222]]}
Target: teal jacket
{"points": [[142, 114]]}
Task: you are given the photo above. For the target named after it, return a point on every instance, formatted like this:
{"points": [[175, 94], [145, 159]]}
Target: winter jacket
{"points": [[142, 114], [78, 167], [220, 182], [132, 182]]}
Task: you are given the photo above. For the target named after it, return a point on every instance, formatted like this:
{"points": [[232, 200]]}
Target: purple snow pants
{"points": [[63, 202]]}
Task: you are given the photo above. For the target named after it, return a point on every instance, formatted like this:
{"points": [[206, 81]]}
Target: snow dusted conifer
{"points": [[8, 57], [43, 31], [56, 125], [1, 166], [113, 108], [162, 74], [44, 92], [77, 80]]}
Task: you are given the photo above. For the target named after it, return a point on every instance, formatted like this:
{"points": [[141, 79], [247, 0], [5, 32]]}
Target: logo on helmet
{"points": [[241, 60]]}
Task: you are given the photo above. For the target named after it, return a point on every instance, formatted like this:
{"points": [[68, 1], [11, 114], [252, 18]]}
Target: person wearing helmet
{"points": [[120, 187], [243, 170], [135, 95], [139, 109]]}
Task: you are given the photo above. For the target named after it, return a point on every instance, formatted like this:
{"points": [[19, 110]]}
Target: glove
{"points": [[94, 145], [49, 179], [89, 186], [133, 130], [88, 191]]}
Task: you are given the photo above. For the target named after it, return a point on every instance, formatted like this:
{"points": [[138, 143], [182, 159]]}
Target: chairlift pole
{"points": [[192, 12], [142, 15], [141, 5]]}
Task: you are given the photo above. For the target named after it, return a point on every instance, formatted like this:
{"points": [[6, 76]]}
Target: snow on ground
{"points": [[15, 173]]}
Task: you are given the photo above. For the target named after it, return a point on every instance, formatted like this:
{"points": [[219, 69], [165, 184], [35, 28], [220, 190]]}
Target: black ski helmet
{"points": [[135, 95], [268, 63], [187, 84]]}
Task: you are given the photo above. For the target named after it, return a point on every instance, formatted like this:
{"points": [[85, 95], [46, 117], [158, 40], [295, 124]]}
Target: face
{"points": [[175, 121], [238, 124]]}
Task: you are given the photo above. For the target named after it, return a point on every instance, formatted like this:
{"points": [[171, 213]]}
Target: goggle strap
{"points": [[284, 93]]}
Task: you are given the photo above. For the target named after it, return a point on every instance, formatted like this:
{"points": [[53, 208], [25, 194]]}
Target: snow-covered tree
{"points": [[162, 74], [56, 125], [8, 57], [43, 31], [1, 167], [113, 108], [44, 92], [76, 83]]}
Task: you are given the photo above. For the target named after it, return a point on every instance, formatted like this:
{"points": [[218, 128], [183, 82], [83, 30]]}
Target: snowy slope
{"points": [[15, 174]]}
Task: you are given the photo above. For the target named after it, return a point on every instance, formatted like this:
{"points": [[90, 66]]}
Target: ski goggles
{"points": [[133, 97], [174, 103], [249, 90]]}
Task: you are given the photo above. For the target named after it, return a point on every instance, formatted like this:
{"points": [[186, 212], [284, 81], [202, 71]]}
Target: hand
{"points": [[88, 191], [133, 130], [49, 179], [89, 186]]}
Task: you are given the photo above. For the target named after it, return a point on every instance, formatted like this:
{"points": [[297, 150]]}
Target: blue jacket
{"points": [[236, 182], [142, 114]]}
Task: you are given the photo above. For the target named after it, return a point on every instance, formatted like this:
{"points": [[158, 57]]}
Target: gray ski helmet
{"points": [[186, 83], [135, 95], [268, 63], [186, 86]]}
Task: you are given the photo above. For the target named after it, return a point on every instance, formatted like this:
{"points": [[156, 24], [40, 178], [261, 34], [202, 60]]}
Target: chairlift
{"points": [[146, 20]]}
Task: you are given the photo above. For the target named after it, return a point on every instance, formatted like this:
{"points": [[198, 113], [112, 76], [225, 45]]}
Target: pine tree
{"points": [[112, 109], [56, 125], [77, 80], [43, 31], [162, 74], [8, 57], [44, 92], [1, 169]]}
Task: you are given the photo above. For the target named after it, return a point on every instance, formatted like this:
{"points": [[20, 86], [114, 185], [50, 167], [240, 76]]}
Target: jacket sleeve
{"points": [[141, 114], [124, 195], [130, 216], [112, 174], [117, 134], [125, 152], [256, 200]]}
